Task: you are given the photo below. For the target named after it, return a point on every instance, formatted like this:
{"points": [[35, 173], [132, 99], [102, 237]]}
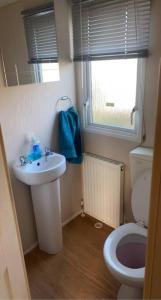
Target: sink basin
{"points": [[43, 177], [43, 170]]}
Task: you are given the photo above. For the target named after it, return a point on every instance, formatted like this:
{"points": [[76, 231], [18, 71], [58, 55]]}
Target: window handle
{"points": [[86, 103], [132, 114]]}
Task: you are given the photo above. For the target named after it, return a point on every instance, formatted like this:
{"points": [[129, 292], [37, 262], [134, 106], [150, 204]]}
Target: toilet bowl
{"points": [[124, 249]]}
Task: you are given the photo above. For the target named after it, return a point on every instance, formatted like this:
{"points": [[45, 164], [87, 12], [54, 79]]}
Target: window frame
{"points": [[114, 131], [37, 73]]}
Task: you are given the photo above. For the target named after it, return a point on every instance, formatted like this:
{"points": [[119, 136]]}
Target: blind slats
{"points": [[41, 37], [105, 29]]}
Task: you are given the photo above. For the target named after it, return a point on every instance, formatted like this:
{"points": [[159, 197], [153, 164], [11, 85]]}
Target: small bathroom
{"points": [[79, 104]]}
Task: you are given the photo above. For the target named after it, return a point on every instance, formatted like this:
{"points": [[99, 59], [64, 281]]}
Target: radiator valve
{"points": [[82, 209]]}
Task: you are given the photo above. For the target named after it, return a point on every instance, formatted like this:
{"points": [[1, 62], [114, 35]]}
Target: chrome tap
{"points": [[47, 152], [24, 161]]}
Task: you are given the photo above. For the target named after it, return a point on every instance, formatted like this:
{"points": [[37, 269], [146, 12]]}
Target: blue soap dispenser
{"points": [[36, 151]]}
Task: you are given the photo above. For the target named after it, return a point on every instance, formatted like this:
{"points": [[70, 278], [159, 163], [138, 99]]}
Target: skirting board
{"points": [[31, 248], [71, 218], [63, 224]]}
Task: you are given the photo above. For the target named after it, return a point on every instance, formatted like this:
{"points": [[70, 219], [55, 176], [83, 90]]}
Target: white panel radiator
{"points": [[103, 189]]}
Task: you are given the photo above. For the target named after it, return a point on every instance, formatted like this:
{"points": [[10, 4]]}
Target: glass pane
{"points": [[114, 92], [50, 72]]}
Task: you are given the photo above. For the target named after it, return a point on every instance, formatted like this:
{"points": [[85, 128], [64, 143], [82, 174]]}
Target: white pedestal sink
{"points": [[43, 177]]}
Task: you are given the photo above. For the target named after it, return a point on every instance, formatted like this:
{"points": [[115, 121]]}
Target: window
{"points": [[41, 39], [111, 38], [46, 72], [50, 72], [113, 94], [114, 97]]}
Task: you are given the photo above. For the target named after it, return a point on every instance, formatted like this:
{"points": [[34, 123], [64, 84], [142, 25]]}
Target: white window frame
{"points": [[114, 131]]}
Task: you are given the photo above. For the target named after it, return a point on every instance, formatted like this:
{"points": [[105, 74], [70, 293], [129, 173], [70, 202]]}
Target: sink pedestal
{"points": [[47, 209]]}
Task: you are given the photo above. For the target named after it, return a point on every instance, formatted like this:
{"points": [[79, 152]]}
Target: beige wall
{"points": [[32, 108], [118, 149]]}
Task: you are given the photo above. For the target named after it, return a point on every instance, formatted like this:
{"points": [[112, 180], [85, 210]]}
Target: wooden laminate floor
{"points": [[78, 271]]}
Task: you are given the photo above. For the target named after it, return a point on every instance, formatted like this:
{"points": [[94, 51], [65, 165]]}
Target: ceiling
{"points": [[6, 2]]}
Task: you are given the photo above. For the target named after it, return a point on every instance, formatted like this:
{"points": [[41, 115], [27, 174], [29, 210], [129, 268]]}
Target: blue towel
{"points": [[69, 136]]}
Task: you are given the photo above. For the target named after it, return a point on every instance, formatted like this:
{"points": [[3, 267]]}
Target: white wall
{"points": [[32, 108], [118, 149]]}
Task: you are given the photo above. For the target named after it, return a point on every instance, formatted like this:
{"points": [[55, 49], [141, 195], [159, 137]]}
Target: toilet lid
{"points": [[141, 197]]}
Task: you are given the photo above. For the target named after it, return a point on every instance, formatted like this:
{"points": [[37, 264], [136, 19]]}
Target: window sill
{"points": [[118, 133]]}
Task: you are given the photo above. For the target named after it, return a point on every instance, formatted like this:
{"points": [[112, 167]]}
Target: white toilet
{"points": [[124, 249]]}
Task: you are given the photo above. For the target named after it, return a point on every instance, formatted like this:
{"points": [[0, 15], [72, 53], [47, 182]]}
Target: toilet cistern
{"points": [[43, 177]]}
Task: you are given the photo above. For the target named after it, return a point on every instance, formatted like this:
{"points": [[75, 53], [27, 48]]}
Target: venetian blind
{"points": [[105, 29], [40, 31]]}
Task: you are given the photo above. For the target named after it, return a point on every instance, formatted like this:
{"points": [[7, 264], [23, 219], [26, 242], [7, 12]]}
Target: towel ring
{"points": [[67, 102]]}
